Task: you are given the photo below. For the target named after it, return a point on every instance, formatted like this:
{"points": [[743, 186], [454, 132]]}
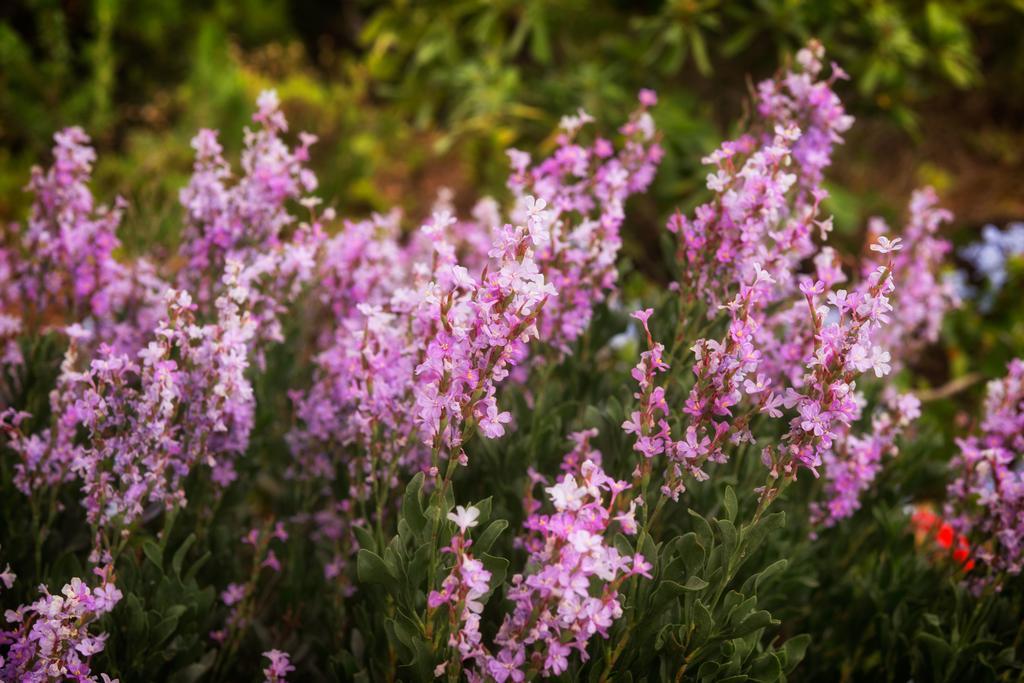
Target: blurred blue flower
{"points": [[988, 257]]}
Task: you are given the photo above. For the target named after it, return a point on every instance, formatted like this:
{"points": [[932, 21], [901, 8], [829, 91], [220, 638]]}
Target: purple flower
{"points": [[986, 497], [279, 668], [50, 638]]}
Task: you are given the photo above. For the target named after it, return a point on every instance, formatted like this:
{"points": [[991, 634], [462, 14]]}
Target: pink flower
{"points": [[648, 98], [280, 666], [641, 567]]}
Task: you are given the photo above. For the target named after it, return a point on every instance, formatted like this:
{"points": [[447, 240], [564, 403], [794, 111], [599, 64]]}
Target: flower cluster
{"points": [[60, 268], [557, 608], [464, 589], [247, 221], [986, 499], [793, 342], [739, 254], [68, 238], [182, 400], [427, 329], [855, 459], [403, 344], [922, 295], [767, 188], [826, 398], [403, 379], [50, 639], [45, 459], [244, 220], [573, 203], [803, 99]]}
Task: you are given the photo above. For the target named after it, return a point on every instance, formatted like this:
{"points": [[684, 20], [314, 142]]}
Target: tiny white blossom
{"points": [[886, 246], [464, 518]]}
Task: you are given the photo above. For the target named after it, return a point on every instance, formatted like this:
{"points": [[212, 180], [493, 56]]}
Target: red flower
{"points": [[928, 524], [945, 536]]}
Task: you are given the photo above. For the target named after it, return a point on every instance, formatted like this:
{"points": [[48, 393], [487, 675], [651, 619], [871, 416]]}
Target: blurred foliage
{"points": [[412, 96]]}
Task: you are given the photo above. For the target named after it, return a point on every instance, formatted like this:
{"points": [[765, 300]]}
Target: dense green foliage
{"points": [[409, 97]]}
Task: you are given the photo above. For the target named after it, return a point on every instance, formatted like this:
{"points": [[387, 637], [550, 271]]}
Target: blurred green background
{"points": [[410, 97]]}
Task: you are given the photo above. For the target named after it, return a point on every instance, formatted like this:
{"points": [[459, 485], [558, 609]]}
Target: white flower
{"points": [[535, 205], [464, 518], [7, 577], [885, 246], [880, 361], [538, 220], [439, 224], [268, 101], [566, 495], [717, 181]]}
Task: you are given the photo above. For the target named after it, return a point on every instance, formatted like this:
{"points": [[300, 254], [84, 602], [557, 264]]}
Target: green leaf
{"points": [[498, 567], [175, 611], [753, 622], [703, 622], [623, 545], [730, 504], [154, 554], [163, 630], [755, 534], [663, 636], [938, 648], [370, 568], [412, 504], [190, 575], [423, 659], [181, 552], [365, 538], [490, 535], [540, 47], [404, 651], [484, 506], [406, 630], [195, 671], [766, 668], [137, 622], [732, 599], [695, 583], [692, 552], [702, 528], [795, 648], [729, 535], [649, 550], [700, 53], [708, 670], [769, 572], [405, 532]]}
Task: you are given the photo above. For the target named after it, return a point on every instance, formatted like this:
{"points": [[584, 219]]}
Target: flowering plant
{"points": [[386, 409]]}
